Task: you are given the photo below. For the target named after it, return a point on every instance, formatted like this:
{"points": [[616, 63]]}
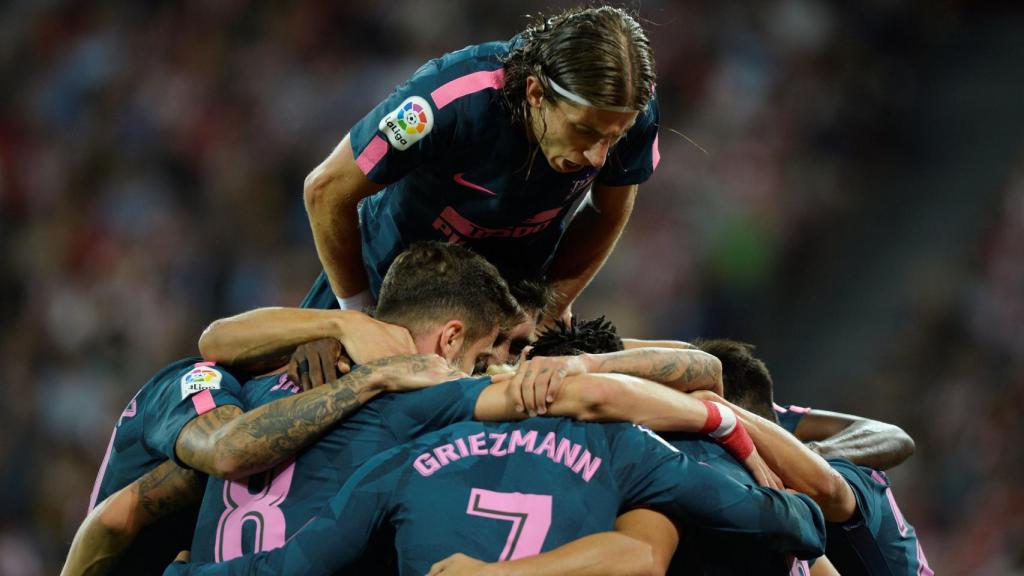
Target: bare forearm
{"points": [[111, 527], [620, 398], [602, 554], [799, 467], [239, 445], [331, 192], [631, 343], [684, 370], [266, 336], [867, 443]]}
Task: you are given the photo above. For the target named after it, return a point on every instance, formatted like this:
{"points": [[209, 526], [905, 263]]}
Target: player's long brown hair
{"points": [[601, 54]]}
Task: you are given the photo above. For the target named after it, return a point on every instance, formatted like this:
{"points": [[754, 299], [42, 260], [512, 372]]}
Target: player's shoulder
{"points": [[188, 371], [463, 81], [474, 58]]}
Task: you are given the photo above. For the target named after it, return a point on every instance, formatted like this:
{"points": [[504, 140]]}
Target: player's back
{"points": [[261, 512], [501, 491], [702, 552], [878, 539]]}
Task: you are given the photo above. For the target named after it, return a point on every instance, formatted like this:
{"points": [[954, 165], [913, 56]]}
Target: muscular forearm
{"points": [[237, 445], [621, 398], [111, 527], [602, 554], [799, 467], [331, 192], [631, 343], [267, 336], [588, 241], [684, 370], [867, 443]]}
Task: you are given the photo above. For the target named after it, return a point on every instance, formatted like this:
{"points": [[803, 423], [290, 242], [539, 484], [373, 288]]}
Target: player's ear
{"points": [[534, 91], [453, 333]]}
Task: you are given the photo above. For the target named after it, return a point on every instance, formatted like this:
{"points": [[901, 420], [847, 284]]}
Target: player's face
{"points": [[573, 137], [509, 345], [473, 357]]}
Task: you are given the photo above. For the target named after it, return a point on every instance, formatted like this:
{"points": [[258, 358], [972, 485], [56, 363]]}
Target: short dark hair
{"points": [[533, 294], [432, 282], [596, 336], [602, 54], [746, 380]]}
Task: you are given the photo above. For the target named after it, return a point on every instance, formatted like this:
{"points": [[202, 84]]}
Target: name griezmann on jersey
{"points": [[558, 450]]}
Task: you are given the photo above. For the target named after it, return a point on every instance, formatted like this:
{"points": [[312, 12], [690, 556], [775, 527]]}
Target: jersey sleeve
{"points": [[789, 418], [331, 541], [412, 414], [636, 156], [409, 127], [189, 393], [651, 473]]}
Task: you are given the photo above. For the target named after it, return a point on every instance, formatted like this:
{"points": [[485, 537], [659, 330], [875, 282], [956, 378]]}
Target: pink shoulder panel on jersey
{"points": [[468, 84]]}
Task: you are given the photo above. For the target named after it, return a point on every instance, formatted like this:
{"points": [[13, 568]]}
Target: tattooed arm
{"points": [[538, 380], [112, 526], [227, 443]]}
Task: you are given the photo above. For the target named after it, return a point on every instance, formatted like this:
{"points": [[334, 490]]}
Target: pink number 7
{"points": [[530, 515]]}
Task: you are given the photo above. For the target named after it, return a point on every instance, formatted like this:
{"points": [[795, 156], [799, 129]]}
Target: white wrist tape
{"points": [[356, 302]]}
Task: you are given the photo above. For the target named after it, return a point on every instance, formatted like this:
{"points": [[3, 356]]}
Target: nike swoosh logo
{"points": [[460, 180]]}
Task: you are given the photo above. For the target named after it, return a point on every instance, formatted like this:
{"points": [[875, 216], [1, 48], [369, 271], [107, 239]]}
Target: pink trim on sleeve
{"points": [[203, 402], [206, 364], [100, 474], [467, 84], [655, 153], [372, 154]]}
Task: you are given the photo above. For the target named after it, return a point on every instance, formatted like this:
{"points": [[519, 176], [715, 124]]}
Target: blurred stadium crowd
{"points": [[151, 165]]}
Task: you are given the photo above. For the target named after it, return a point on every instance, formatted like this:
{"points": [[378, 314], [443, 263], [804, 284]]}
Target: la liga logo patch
{"points": [[198, 379], [408, 123]]}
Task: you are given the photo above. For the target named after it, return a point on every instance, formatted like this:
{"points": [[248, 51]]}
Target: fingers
{"points": [[528, 392], [440, 566], [316, 369], [183, 556], [555, 384], [329, 367], [293, 370], [303, 380], [515, 388]]}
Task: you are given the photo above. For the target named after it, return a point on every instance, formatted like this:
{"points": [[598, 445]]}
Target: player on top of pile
{"points": [[492, 146]]}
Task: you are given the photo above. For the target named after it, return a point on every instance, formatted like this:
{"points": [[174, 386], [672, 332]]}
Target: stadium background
{"points": [[858, 214]]}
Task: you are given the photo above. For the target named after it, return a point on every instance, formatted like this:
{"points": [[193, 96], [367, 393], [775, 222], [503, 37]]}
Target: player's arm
{"points": [[588, 241], [656, 530], [621, 398], [331, 192], [227, 443], [601, 554], [863, 441], [112, 526], [631, 343], [655, 475], [538, 380], [268, 336], [823, 567], [797, 466]]}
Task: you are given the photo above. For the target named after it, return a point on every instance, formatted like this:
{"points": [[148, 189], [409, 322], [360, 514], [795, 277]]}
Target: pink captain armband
{"points": [[724, 428], [356, 302]]}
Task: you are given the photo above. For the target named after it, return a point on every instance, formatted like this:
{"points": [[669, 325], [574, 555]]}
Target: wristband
{"points": [[723, 426], [355, 302]]}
